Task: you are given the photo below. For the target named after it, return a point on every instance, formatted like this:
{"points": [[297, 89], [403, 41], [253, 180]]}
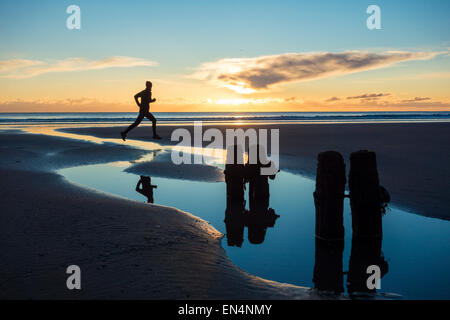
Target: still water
{"points": [[416, 248]]}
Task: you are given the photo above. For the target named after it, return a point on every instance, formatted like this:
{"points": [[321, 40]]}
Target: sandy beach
{"points": [[48, 223]]}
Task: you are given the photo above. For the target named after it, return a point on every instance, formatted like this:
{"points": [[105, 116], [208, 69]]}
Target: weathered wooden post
{"points": [[260, 216], [235, 181], [235, 177], [365, 200], [328, 273], [365, 252], [329, 196], [259, 194]]}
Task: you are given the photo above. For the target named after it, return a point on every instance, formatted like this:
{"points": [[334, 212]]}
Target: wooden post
{"points": [[329, 196], [235, 179], [328, 273], [365, 252], [234, 214], [260, 216], [259, 194], [365, 199]]}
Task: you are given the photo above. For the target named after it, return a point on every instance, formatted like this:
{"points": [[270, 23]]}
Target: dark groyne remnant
{"points": [[329, 202], [328, 273], [329, 196], [258, 184], [259, 217], [235, 177], [368, 202], [366, 251], [367, 197], [235, 181]]}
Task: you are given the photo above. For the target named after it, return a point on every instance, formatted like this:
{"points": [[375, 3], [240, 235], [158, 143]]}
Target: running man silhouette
{"points": [[144, 107], [145, 187]]}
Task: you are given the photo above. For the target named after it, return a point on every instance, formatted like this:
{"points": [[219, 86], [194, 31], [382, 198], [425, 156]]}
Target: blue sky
{"points": [[199, 30], [181, 35]]}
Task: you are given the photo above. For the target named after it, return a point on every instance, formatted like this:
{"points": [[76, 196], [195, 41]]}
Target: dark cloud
{"points": [[262, 72]]}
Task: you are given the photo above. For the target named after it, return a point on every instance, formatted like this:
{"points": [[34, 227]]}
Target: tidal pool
{"points": [[416, 248]]}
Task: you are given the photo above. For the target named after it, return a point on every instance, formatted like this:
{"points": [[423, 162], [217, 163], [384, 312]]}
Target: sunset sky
{"points": [[225, 56]]}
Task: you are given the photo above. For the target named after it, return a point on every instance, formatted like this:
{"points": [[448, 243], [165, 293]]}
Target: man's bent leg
{"points": [[153, 120], [135, 123]]}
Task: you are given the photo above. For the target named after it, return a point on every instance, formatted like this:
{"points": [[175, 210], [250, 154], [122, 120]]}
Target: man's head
{"points": [[148, 85]]}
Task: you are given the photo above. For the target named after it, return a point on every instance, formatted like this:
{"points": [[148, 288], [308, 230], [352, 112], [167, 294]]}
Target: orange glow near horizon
{"points": [[112, 92]]}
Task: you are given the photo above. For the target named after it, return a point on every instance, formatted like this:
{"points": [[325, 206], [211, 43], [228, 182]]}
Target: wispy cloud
{"points": [[385, 100], [247, 75], [23, 68], [417, 99], [369, 96], [332, 99], [15, 64]]}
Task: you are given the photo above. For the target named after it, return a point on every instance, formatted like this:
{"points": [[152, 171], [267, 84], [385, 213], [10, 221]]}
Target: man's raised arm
{"points": [[138, 189], [136, 96]]}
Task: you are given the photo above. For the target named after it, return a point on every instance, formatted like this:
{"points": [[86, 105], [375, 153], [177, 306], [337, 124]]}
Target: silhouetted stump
{"points": [[258, 184], [329, 195], [365, 195], [365, 252], [260, 216], [235, 179], [328, 273], [234, 214]]}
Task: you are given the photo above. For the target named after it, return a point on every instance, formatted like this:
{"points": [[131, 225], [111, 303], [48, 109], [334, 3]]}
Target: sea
{"points": [[258, 117]]}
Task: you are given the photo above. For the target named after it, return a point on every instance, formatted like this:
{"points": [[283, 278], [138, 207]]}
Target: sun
{"points": [[240, 87]]}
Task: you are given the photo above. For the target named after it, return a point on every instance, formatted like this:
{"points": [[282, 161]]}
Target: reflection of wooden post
{"points": [[234, 214], [258, 193], [234, 225], [329, 196], [365, 194], [328, 274]]}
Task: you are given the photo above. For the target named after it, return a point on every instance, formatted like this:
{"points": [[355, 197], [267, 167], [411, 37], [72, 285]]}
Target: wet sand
{"points": [[126, 249], [413, 158], [131, 250]]}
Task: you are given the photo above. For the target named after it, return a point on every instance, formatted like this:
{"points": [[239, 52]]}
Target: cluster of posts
{"points": [[367, 202], [259, 217]]}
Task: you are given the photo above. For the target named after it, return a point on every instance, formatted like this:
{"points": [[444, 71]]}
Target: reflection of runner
{"points": [[144, 107], [145, 187]]}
